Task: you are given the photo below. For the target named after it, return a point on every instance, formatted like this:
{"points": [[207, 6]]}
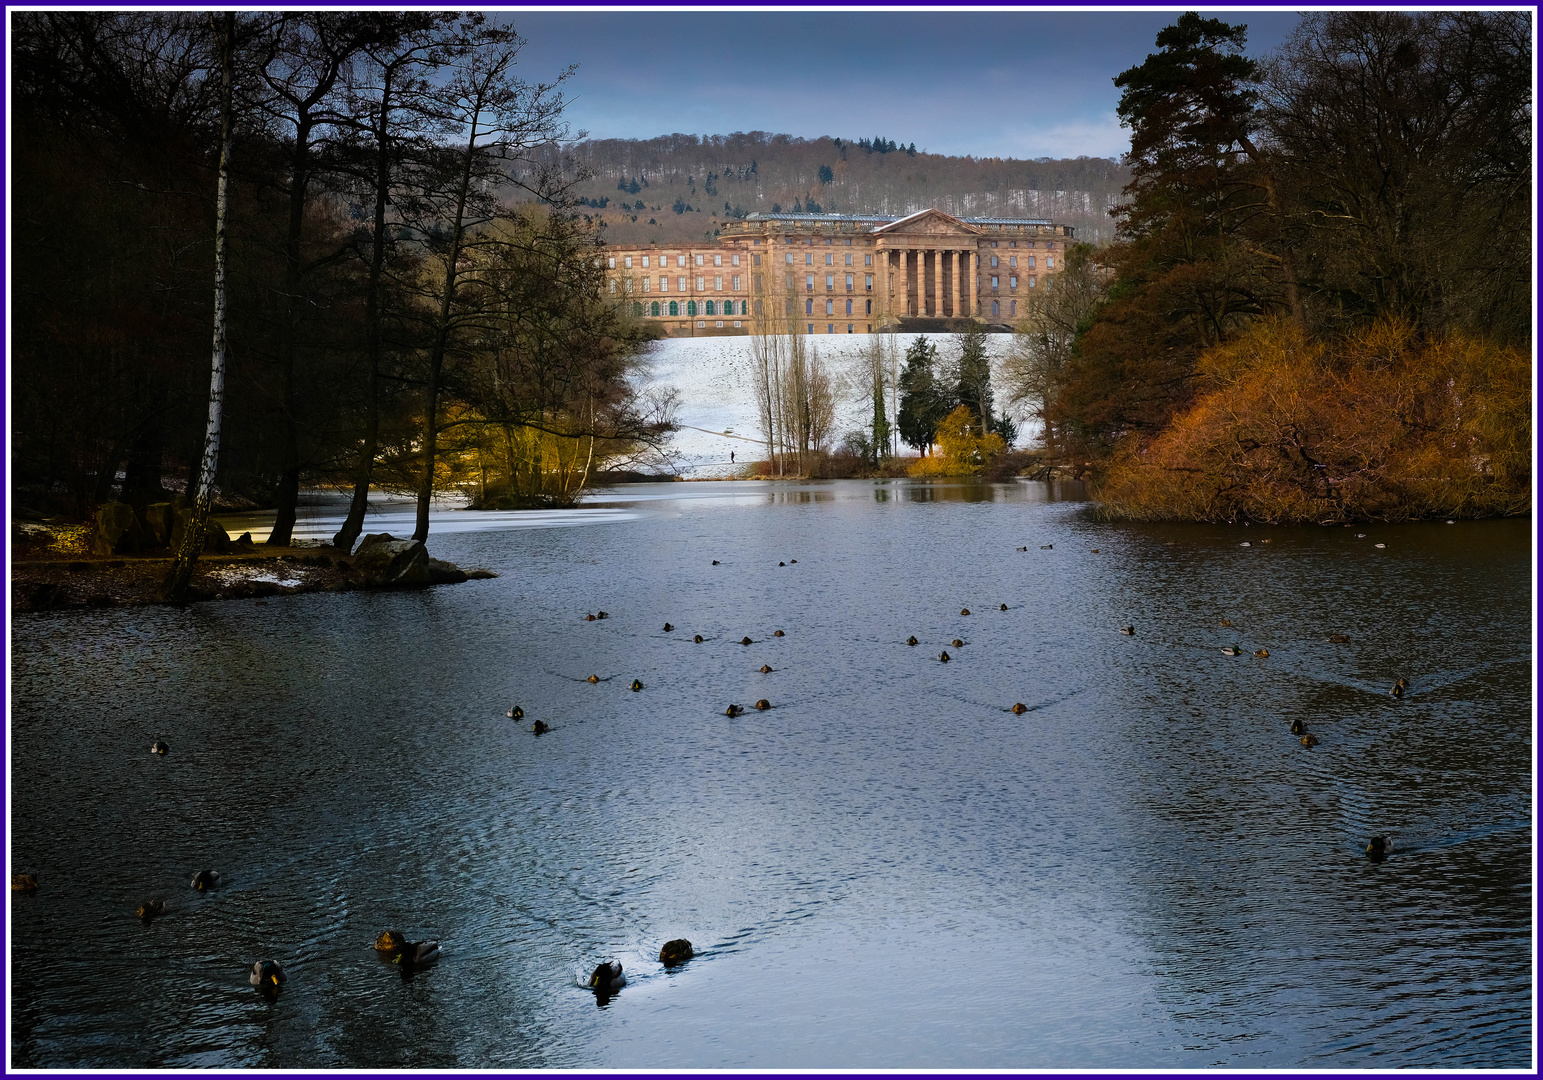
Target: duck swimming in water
{"points": [[778, 633], [1399, 688], [1046, 547], [540, 727], [734, 710], [697, 639], [1379, 847], [763, 704], [636, 685], [668, 628], [1262, 654], [1232, 650], [912, 641], [589, 618], [1128, 631], [158, 747], [1298, 728], [205, 880], [24, 883], [1339, 639], [390, 941], [1225, 622], [958, 643], [602, 615], [1004, 607], [765, 669], [676, 952], [608, 977], [1309, 739], [964, 611], [267, 975], [593, 679], [516, 713], [417, 954], [746, 641], [1020, 708], [150, 909], [943, 656]]}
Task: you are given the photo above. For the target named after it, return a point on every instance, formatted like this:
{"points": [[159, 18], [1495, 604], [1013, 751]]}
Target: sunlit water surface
{"points": [[887, 869]]}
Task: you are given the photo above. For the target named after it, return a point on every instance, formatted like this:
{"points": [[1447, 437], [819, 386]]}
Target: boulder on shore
{"points": [[216, 539], [443, 573], [117, 530], [161, 520], [383, 561]]}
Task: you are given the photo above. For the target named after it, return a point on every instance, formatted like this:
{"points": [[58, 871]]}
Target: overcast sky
{"points": [[1018, 84]]}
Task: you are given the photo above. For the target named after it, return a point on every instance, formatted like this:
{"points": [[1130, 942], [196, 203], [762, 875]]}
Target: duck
{"points": [[1298, 728], [715, 562], [1225, 622], [1378, 848], [1399, 688], [150, 909], [1262, 654], [1046, 547], [1309, 739], [782, 564], [417, 953], [668, 628], [675, 952], [1232, 650], [24, 883], [763, 704], [390, 941], [267, 975], [589, 618], [637, 684], [516, 713], [1339, 639], [1003, 607], [778, 633], [205, 880], [593, 679], [1095, 551], [1128, 631], [765, 669], [746, 641], [540, 727], [912, 641], [964, 611], [1245, 544], [958, 643], [792, 562], [608, 977], [1020, 708], [734, 710], [1023, 549], [602, 615], [158, 747], [943, 656], [697, 639]]}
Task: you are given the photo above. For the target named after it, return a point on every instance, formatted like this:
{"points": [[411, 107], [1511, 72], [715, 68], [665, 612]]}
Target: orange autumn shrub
{"points": [[961, 452], [1377, 426]]}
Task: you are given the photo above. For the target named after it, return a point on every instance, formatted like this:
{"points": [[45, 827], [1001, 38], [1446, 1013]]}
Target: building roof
{"points": [[889, 219]]}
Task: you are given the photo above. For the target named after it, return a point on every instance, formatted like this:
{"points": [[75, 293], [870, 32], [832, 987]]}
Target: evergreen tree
{"points": [[924, 399], [974, 386]]}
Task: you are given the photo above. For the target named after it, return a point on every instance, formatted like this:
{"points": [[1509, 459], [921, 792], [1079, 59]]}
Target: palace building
{"points": [[840, 273]]}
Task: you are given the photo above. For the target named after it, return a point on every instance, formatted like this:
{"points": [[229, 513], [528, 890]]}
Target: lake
{"points": [[887, 869]]}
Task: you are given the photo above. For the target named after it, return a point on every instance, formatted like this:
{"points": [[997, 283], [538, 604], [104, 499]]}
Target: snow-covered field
{"points": [[717, 410]]}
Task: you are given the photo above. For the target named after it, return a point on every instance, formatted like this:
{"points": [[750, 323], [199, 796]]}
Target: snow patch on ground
{"points": [[231, 575], [715, 377]]}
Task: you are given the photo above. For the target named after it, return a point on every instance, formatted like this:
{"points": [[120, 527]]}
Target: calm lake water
{"points": [[888, 869]]}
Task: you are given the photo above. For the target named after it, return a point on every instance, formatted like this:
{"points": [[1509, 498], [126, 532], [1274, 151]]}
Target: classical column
{"points": [[969, 281], [910, 275], [937, 283], [958, 258]]}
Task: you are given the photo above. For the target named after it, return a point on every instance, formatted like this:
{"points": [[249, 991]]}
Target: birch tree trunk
{"points": [[181, 572]]}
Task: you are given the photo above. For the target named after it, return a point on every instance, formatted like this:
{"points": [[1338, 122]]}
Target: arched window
{"points": [[655, 308], [637, 309], [690, 307], [996, 307], [711, 308], [674, 307]]}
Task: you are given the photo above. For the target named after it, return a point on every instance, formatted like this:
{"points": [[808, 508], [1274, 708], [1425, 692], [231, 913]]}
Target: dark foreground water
{"points": [[888, 869]]}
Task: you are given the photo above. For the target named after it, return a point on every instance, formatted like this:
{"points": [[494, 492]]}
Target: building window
{"points": [[1049, 263], [627, 262], [736, 260], [1012, 308], [736, 283], [613, 284], [811, 328], [830, 282], [701, 326], [830, 328], [756, 258], [757, 242], [1031, 243], [827, 258], [637, 310], [809, 282], [1031, 262], [701, 284], [680, 284], [690, 307], [849, 325], [790, 258], [867, 260], [759, 307], [790, 281], [1012, 261], [996, 307], [808, 258], [1012, 243], [653, 309], [869, 309], [699, 260], [993, 262], [646, 283], [645, 262], [849, 256], [993, 243], [711, 308], [1012, 282], [718, 283], [830, 307], [808, 307], [1033, 281], [674, 307], [849, 309], [717, 260], [719, 324], [993, 283], [610, 264], [849, 283]]}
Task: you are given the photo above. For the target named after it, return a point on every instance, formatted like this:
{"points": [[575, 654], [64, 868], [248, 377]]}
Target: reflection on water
{"points": [[887, 869]]}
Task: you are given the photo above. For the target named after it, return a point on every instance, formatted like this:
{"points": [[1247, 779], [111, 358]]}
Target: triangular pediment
{"points": [[928, 223]]}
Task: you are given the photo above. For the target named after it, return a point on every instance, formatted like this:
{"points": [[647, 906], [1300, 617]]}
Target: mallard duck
{"points": [[1095, 551], [602, 615], [267, 975], [943, 656], [205, 880], [912, 641], [417, 953], [958, 643], [1128, 631], [390, 941], [1309, 739], [782, 564], [1023, 549], [676, 952], [1339, 639], [1399, 688], [1046, 547], [150, 909], [516, 713], [746, 641], [734, 710], [766, 669], [1262, 654], [1225, 622], [608, 977], [715, 562], [1245, 544], [24, 883], [697, 639], [589, 618], [1298, 728], [1232, 650], [668, 628], [1379, 545], [792, 562], [1020, 708], [158, 747], [636, 685], [593, 679], [1003, 607], [778, 633], [1378, 848], [540, 727], [763, 704], [964, 611]]}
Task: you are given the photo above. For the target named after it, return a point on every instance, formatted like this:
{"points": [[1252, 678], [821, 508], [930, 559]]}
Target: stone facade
{"points": [[840, 273]]}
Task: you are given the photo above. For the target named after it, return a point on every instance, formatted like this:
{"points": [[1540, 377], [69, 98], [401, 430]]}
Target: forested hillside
{"points": [[678, 188]]}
